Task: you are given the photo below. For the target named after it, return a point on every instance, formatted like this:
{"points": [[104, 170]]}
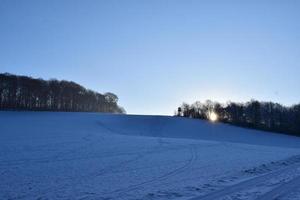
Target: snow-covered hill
{"points": [[48, 155]]}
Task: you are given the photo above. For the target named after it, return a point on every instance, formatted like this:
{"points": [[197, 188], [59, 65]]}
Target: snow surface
{"points": [[50, 155]]}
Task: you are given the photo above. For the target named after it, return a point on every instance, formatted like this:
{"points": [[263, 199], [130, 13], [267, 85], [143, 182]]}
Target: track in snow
{"points": [[281, 190], [171, 173], [284, 188]]}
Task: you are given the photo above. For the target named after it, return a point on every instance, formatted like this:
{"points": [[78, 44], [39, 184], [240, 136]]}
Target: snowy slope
{"points": [[100, 156], [178, 127]]}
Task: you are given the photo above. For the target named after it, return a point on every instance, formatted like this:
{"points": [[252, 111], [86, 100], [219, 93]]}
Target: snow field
{"points": [[100, 156]]}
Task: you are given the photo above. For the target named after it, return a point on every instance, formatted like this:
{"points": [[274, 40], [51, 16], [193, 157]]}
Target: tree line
{"points": [[27, 93], [266, 116]]}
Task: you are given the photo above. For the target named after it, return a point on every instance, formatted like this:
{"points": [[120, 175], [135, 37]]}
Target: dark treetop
{"points": [[26, 93], [267, 116]]}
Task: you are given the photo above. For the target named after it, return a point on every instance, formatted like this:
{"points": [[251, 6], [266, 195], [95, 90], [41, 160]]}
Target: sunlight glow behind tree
{"points": [[213, 116]]}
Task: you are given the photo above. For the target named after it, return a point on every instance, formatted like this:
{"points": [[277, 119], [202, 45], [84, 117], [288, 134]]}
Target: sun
{"points": [[213, 116]]}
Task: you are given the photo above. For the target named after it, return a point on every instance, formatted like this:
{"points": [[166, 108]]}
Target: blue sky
{"points": [[156, 54]]}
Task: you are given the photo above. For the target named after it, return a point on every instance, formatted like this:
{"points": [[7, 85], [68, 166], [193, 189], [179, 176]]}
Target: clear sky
{"points": [[155, 54]]}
